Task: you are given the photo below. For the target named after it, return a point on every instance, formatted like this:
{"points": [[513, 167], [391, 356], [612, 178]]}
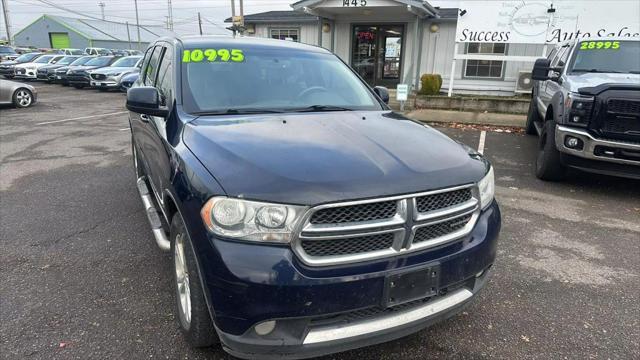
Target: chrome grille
{"points": [[355, 213], [442, 200], [354, 245], [430, 232], [370, 229]]}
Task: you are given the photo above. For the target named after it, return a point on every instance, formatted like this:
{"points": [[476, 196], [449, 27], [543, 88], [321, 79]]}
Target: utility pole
{"points": [[7, 23], [137, 23], [170, 19], [200, 22], [233, 16], [128, 35], [241, 18], [101, 4]]}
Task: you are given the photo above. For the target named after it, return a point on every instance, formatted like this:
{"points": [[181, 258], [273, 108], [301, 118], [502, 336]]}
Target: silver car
{"points": [[19, 94]]}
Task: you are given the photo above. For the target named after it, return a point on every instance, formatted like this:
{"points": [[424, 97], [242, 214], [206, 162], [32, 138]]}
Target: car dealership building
{"points": [[395, 41]]}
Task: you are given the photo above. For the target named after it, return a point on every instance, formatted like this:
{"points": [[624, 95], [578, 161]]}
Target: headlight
{"points": [[487, 189], [578, 109], [251, 220]]}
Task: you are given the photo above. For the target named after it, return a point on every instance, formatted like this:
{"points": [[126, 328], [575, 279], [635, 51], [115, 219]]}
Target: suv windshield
{"points": [[83, 60], [274, 80], [27, 57], [99, 61], [606, 57], [126, 62], [44, 59]]}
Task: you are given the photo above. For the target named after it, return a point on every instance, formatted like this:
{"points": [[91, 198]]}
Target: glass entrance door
{"points": [[377, 53]]}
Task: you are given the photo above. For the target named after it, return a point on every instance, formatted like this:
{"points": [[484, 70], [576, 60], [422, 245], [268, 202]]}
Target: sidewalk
{"points": [[463, 117]]}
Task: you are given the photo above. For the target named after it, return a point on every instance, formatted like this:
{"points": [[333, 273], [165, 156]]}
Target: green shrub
{"points": [[431, 84]]}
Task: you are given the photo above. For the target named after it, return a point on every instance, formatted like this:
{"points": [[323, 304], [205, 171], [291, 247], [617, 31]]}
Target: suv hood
{"points": [[8, 62], [577, 81], [314, 158], [31, 64]]}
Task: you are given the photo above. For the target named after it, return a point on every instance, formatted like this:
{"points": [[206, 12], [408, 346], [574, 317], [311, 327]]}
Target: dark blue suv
{"points": [[303, 216]]}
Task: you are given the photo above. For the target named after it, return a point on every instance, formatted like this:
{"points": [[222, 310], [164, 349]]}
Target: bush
{"points": [[431, 84]]}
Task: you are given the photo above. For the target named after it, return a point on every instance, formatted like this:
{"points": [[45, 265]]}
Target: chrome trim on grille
{"points": [[404, 224]]}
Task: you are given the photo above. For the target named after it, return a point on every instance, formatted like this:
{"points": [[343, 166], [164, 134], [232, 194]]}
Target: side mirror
{"points": [[145, 100], [383, 93], [541, 69]]}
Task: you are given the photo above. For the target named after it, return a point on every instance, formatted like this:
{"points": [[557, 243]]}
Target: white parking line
{"points": [[483, 135], [125, 129], [81, 118]]}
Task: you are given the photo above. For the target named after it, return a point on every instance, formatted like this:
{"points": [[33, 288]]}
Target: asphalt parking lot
{"points": [[83, 279]]}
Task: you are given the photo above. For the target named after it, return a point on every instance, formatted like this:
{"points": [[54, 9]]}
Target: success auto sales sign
{"points": [[539, 22]]}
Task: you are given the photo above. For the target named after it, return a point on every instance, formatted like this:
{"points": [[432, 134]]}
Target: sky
{"points": [[151, 12]]}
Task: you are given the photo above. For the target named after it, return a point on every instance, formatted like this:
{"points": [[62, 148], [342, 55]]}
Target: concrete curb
{"points": [[463, 117]]}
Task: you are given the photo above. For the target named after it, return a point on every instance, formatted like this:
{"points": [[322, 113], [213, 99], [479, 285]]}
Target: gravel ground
{"points": [[82, 279]]}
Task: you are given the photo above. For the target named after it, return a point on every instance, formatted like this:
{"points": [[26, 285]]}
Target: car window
{"points": [[126, 62], [99, 61], [151, 68], [552, 54], [559, 56], [81, 61], [273, 79], [67, 60], [165, 77], [607, 56], [27, 57], [44, 59]]}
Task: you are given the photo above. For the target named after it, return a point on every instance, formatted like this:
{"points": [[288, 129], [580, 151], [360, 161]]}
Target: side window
{"points": [[151, 67], [562, 59], [552, 54], [165, 77]]}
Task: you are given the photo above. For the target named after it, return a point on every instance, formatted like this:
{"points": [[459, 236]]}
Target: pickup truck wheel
{"points": [[532, 117], [193, 314], [548, 164]]}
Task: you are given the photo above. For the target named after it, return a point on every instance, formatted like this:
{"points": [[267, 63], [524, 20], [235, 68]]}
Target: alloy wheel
{"points": [[182, 279], [23, 98]]}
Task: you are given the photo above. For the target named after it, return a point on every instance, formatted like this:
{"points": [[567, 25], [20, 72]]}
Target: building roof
{"points": [[448, 13], [278, 16], [106, 30]]}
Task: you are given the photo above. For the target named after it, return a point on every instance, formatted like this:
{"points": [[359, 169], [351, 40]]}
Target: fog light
{"points": [[264, 328], [576, 118], [573, 143], [579, 105]]}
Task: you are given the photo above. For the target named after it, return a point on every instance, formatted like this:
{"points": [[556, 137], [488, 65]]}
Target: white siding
{"points": [[437, 55], [308, 31]]}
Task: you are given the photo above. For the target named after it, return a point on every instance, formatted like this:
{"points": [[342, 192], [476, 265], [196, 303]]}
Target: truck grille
{"points": [[98, 76], [354, 213], [371, 229], [619, 106], [354, 245], [443, 200]]}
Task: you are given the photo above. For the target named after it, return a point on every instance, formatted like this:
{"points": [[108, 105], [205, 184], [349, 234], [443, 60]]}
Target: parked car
{"points": [[7, 53], [304, 217], [97, 51], [7, 67], [19, 94], [29, 70], [110, 77], [47, 72], [25, 50], [585, 107], [67, 51], [60, 74], [78, 76], [127, 80]]}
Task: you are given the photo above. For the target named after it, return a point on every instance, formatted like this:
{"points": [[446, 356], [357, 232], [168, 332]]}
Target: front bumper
{"points": [[77, 79], [613, 157], [7, 71], [310, 304], [25, 73], [105, 84]]}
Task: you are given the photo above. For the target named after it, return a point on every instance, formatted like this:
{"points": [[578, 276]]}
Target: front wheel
{"points": [[78, 86], [548, 164], [22, 98], [192, 311]]}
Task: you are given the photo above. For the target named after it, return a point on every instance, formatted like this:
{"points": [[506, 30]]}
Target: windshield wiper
{"points": [[239, 111], [318, 108], [596, 71]]}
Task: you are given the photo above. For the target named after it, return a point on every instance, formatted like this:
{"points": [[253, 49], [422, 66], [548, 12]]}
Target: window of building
{"points": [[285, 34], [485, 68]]}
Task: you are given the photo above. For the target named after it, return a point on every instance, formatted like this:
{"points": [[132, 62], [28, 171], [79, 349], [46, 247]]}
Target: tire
{"points": [[532, 117], [78, 86], [22, 98], [193, 316], [549, 167]]}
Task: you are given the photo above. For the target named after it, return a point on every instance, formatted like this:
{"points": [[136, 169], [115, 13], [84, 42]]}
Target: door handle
{"points": [[144, 118]]}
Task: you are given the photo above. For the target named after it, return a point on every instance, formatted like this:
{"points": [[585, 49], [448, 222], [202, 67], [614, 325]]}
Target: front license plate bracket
{"points": [[408, 286]]}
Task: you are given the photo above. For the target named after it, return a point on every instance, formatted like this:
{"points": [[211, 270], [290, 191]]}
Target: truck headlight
{"points": [[487, 188], [251, 220], [578, 108]]}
